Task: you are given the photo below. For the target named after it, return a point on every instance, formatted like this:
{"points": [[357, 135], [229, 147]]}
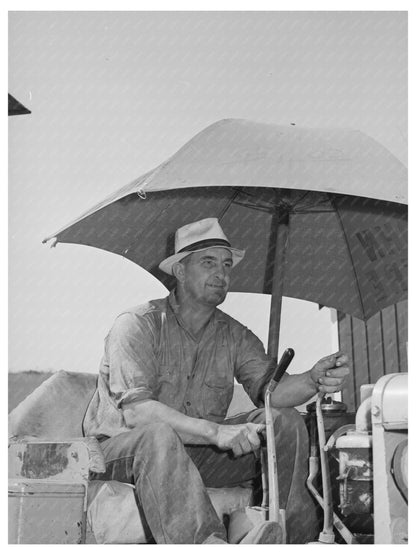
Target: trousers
{"points": [[170, 478]]}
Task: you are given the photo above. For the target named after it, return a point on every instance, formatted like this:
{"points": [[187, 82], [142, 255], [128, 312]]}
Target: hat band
{"points": [[205, 244]]}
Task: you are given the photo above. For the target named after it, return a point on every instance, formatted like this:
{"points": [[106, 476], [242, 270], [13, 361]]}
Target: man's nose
{"points": [[221, 272]]}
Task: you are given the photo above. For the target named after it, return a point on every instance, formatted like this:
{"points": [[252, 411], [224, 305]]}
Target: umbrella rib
{"points": [[261, 208], [229, 203], [311, 208], [351, 259], [313, 211], [301, 199], [270, 208]]}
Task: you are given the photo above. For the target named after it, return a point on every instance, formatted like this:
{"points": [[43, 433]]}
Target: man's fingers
{"points": [[343, 359], [245, 445], [328, 363], [237, 451], [248, 441], [254, 440], [334, 376], [332, 357], [335, 359], [329, 372], [340, 372], [240, 438], [331, 381]]}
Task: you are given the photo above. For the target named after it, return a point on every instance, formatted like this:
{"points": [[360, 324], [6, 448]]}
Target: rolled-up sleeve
{"points": [[254, 368], [132, 365]]}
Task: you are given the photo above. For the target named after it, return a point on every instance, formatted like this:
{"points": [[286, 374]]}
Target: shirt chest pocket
{"points": [[217, 394]]}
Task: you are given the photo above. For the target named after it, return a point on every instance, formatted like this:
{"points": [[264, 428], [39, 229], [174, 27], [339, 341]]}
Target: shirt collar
{"points": [[218, 315], [173, 303]]}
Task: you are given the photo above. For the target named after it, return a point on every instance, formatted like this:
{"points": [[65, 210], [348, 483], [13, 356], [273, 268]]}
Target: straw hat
{"points": [[196, 237]]}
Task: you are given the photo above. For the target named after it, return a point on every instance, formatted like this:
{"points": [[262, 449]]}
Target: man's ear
{"points": [[178, 270]]}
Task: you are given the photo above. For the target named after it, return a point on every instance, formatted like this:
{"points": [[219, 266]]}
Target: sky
{"points": [[113, 94]]}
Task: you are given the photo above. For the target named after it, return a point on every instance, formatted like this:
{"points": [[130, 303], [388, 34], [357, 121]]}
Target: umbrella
{"points": [[16, 108], [321, 213]]}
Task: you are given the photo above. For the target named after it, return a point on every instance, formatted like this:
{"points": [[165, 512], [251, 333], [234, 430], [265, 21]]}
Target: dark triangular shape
{"points": [[16, 108]]}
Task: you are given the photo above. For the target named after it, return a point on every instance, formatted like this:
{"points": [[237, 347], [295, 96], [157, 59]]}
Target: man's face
{"points": [[207, 275]]}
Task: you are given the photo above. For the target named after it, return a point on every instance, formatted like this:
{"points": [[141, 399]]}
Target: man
{"points": [[165, 385]]}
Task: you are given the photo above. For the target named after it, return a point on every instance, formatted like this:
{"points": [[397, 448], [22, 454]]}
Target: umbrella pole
{"points": [[281, 240]]}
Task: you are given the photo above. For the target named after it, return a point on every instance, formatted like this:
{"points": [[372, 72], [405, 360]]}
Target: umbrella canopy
{"points": [[303, 203]]}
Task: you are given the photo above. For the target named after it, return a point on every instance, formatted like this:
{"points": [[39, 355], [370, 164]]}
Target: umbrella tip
{"points": [[53, 241]]}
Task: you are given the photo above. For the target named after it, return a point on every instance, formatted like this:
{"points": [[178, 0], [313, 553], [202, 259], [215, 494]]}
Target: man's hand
{"points": [[240, 438], [329, 374]]}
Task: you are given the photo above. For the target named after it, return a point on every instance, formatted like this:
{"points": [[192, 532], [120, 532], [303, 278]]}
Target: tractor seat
{"points": [[53, 414]]}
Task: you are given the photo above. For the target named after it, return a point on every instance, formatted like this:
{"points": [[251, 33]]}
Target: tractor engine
{"points": [[368, 462]]}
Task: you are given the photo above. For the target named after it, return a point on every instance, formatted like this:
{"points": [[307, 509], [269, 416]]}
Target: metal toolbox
{"points": [[46, 512]]}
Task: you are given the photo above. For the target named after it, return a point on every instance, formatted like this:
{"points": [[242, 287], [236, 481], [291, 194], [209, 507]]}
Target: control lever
{"points": [[275, 512], [281, 369]]}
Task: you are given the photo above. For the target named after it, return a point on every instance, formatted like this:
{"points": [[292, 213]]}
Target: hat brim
{"points": [[167, 264]]}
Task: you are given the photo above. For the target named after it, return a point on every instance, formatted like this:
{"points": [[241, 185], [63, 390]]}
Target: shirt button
{"points": [[188, 403]]}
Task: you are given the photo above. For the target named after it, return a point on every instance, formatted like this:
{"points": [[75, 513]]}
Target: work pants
{"points": [[170, 478]]}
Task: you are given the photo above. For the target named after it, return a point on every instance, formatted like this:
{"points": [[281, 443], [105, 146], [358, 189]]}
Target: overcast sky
{"points": [[113, 94]]}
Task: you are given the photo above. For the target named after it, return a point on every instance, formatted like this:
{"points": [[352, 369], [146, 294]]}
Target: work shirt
{"points": [[149, 354]]}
